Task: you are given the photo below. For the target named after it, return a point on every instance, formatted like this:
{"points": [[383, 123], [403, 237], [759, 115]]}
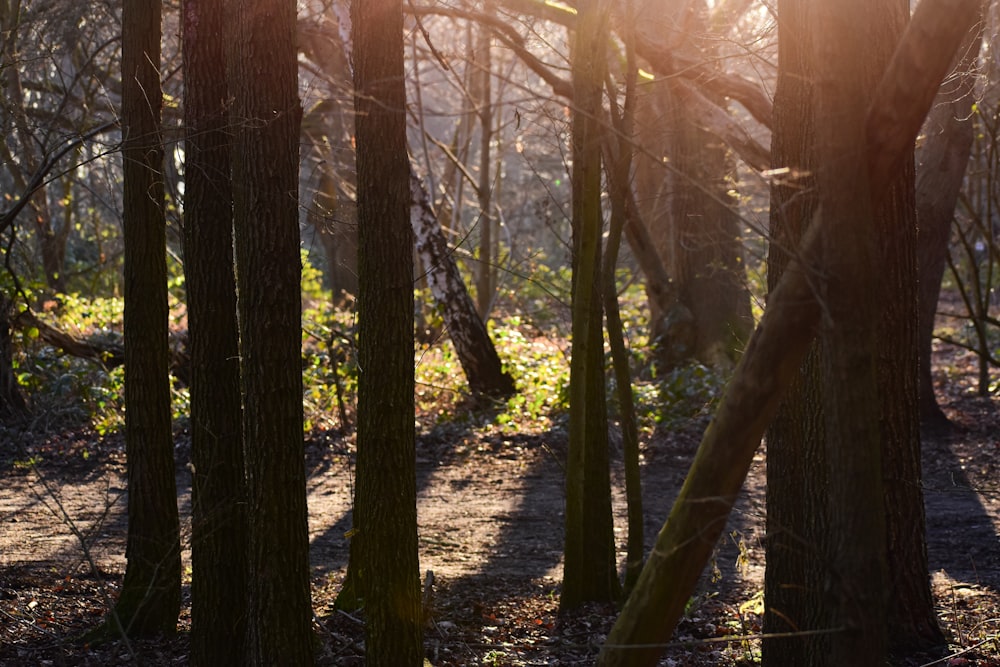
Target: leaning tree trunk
{"points": [[475, 350]]}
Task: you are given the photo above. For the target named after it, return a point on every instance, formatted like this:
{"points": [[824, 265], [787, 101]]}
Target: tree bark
{"points": [[476, 352], [796, 456], [618, 167], [855, 545], [12, 403], [218, 491], [796, 472], [384, 554], [265, 120], [149, 600], [682, 183], [589, 569]]}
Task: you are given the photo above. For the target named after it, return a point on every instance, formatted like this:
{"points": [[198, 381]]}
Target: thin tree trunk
{"points": [[943, 160], [484, 77], [589, 570], [149, 601]]}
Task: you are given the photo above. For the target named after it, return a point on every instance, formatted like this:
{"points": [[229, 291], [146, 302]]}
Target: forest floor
{"points": [[490, 513]]}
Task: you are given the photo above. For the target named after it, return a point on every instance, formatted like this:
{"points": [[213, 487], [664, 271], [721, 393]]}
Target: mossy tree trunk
{"points": [[589, 569]]}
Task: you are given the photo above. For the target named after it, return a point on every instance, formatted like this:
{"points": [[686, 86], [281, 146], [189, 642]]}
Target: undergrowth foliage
{"points": [[530, 332]]}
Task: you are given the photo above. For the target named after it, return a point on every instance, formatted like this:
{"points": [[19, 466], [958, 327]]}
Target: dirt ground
{"points": [[490, 513]]}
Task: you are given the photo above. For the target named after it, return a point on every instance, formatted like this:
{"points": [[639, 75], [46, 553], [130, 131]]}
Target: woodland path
{"points": [[490, 513]]}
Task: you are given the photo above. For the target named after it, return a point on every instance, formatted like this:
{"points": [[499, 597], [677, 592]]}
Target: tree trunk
{"points": [[695, 231], [384, 554], [795, 469], [265, 118], [589, 569], [150, 597], [218, 491], [855, 584], [12, 404], [475, 349], [484, 190], [796, 456], [618, 167], [943, 160]]}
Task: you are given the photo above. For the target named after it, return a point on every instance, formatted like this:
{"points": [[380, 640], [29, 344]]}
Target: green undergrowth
{"points": [[533, 344]]}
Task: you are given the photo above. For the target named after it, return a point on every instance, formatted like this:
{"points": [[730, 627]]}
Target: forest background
{"points": [[491, 156]]}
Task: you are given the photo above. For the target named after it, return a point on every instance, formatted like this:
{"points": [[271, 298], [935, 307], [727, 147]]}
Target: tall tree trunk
{"points": [[265, 120], [484, 189], [51, 242], [796, 472], [855, 585], [218, 492], [384, 553], [686, 201], [618, 167], [796, 457], [150, 596], [589, 569]]}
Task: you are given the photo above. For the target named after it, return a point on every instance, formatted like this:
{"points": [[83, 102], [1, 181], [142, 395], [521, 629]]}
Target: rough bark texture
{"points": [[589, 570], [150, 596], [797, 480], [475, 349], [265, 119], [384, 557], [855, 584], [796, 460], [218, 496]]}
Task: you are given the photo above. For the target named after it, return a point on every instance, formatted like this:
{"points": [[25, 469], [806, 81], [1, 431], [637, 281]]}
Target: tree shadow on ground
{"points": [[962, 513]]}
